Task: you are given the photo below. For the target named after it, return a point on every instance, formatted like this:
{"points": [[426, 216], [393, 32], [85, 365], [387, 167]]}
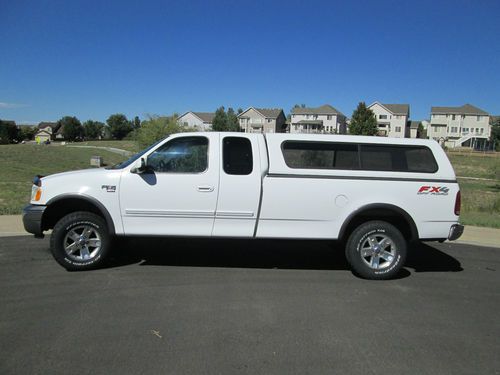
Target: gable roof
{"points": [[44, 130], [466, 109], [414, 124], [265, 112], [395, 109], [205, 116], [325, 109], [44, 124]]}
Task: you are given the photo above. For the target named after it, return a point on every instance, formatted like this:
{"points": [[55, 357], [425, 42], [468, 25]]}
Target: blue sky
{"points": [[94, 58]]}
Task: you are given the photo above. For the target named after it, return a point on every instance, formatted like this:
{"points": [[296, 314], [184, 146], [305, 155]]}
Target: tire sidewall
{"points": [[359, 236], [66, 224]]}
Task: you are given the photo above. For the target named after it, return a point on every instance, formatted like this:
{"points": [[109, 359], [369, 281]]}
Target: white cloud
{"points": [[4, 105]]}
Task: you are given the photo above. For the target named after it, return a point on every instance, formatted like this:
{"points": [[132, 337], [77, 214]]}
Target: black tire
{"points": [[83, 252], [376, 250]]}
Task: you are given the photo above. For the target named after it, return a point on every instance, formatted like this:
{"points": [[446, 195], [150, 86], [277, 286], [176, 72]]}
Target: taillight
{"points": [[458, 203]]}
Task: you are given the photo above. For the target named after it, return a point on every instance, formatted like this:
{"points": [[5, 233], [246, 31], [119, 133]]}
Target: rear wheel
{"points": [[80, 241], [376, 250]]}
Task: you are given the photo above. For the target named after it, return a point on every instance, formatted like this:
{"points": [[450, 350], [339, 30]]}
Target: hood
{"points": [[91, 172]]}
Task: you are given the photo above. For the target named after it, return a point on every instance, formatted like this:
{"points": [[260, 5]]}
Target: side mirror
{"points": [[139, 167]]}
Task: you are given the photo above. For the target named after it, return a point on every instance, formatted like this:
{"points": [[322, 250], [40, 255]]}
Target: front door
{"points": [[178, 196]]}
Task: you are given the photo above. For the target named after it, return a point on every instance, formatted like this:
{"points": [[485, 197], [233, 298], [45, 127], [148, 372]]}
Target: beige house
{"points": [[392, 119], [324, 119], [48, 131], [459, 126], [262, 120], [201, 121]]}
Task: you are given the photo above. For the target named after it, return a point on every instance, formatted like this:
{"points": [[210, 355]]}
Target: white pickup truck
{"points": [[372, 194]]}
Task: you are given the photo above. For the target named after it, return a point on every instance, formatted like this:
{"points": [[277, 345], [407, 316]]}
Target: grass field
{"points": [[19, 163]]}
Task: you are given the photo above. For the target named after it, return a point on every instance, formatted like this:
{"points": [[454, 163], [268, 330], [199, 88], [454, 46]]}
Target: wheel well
{"points": [[391, 214], [62, 207]]}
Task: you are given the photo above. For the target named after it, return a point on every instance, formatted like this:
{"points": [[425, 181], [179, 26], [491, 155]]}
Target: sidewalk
{"points": [[12, 225]]}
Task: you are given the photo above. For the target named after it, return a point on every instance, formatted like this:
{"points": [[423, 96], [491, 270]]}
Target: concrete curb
{"points": [[12, 225]]}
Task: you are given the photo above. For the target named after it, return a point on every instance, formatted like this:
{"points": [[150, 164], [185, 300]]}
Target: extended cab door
{"points": [[179, 195], [240, 184]]}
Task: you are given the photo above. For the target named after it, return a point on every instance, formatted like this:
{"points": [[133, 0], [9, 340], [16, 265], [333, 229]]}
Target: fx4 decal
{"points": [[433, 190]]}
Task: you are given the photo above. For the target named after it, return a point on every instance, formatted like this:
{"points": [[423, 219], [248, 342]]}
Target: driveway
{"points": [[249, 307]]}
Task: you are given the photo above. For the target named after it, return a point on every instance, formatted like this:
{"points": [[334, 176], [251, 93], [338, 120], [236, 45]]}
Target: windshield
{"points": [[134, 157]]}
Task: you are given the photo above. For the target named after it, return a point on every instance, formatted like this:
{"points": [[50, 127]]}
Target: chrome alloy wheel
{"points": [[378, 251], [82, 243]]}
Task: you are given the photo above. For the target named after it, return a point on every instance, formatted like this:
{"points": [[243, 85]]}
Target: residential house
{"points": [[201, 121], [459, 126], [413, 129], [324, 119], [48, 131], [392, 119], [262, 120]]}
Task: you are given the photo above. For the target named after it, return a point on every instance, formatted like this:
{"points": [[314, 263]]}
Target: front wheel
{"points": [[80, 241], [376, 250]]}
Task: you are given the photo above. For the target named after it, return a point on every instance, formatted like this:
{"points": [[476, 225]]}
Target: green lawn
{"points": [[480, 198], [19, 163], [124, 145]]}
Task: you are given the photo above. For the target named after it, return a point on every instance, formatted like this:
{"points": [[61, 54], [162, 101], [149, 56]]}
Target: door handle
{"points": [[205, 189]]}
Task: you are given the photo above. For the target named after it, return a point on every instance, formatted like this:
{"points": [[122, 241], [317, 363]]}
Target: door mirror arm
{"points": [[140, 167]]}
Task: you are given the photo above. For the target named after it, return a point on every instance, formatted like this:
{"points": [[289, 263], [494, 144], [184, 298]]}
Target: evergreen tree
{"points": [[363, 121], [219, 123], [233, 124]]}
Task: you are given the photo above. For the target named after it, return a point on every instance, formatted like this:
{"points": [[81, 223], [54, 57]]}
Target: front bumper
{"points": [[32, 219], [456, 231]]}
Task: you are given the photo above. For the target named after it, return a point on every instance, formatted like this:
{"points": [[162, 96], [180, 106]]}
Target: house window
{"points": [[478, 118], [315, 117], [382, 117], [398, 129], [482, 131], [465, 130], [329, 117], [453, 117], [308, 117], [453, 129]]}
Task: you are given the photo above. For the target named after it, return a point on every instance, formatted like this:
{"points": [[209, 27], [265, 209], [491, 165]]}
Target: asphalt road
{"points": [[247, 307]]}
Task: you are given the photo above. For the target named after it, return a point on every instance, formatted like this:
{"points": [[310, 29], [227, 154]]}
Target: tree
{"points": [[220, 120], [119, 126], [157, 127], [363, 121], [495, 132], [8, 132], [137, 122], [233, 124], [26, 133], [92, 129], [225, 122], [71, 128], [421, 132]]}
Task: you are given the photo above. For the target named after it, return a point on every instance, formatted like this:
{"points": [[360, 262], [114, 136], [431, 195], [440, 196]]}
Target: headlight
{"points": [[36, 189]]}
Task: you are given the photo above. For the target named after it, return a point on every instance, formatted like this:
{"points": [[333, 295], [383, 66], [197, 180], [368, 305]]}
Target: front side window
{"points": [[181, 155], [237, 156], [320, 155]]}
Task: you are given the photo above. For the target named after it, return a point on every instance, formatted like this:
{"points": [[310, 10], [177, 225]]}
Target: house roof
{"points": [[205, 116], [40, 131], [45, 124], [266, 112], [395, 109], [466, 109], [414, 124], [325, 109]]}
